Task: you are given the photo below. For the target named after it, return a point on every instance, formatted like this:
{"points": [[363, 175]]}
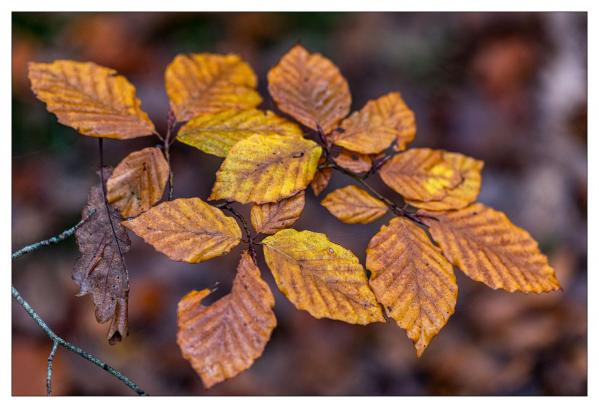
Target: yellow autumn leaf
{"points": [[187, 229], [321, 277], [354, 162], [265, 169], [420, 174], [412, 280], [210, 83], [381, 121], [464, 193], [487, 247], [90, 98], [271, 217], [138, 182], [353, 205], [310, 88], [225, 338], [217, 133]]}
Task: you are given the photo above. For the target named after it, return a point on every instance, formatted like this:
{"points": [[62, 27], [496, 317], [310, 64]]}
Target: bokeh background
{"points": [[509, 89]]}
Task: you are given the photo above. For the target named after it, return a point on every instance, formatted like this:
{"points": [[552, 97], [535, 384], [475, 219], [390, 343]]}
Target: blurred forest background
{"points": [[509, 89]]}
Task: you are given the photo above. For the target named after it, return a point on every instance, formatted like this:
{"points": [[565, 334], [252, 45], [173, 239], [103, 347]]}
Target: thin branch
{"points": [[395, 209], [250, 240], [54, 240], [71, 347], [50, 361], [167, 141]]}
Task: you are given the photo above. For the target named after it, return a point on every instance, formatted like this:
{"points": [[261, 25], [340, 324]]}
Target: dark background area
{"points": [[509, 89]]}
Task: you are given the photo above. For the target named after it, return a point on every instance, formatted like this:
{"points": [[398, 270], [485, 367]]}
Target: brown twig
{"points": [[171, 122], [250, 239]]}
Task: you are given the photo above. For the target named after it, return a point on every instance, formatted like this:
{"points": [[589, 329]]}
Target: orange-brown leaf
{"points": [[412, 280], [310, 88], [380, 122], [321, 178], [353, 205], [138, 181], [187, 229], [465, 192], [90, 98], [484, 244], [355, 162], [225, 338], [210, 83], [272, 217], [321, 277], [420, 174]]}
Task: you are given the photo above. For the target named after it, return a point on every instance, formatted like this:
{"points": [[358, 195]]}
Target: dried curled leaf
{"points": [[353, 205], [263, 169], [464, 193], [321, 277], [355, 162], [412, 280], [484, 244], [310, 88], [138, 182], [101, 269], [420, 174], [210, 83], [217, 133], [272, 217], [90, 98], [225, 338], [187, 229], [380, 122]]}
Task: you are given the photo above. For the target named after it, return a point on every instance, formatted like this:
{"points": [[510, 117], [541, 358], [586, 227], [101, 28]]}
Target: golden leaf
{"points": [[310, 88], [272, 217], [225, 338], [90, 98], [187, 229], [484, 244], [355, 162], [209, 83], [462, 194], [420, 174], [353, 205], [412, 280], [321, 277], [217, 133], [138, 181], [263, 169], [380, 122]]}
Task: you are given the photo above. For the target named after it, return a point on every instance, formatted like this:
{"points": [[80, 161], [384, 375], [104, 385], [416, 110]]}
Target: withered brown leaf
{"points": [[101, 270]]}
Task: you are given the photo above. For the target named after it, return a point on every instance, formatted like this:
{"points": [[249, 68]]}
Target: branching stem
{"points": [[71, 347]]}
